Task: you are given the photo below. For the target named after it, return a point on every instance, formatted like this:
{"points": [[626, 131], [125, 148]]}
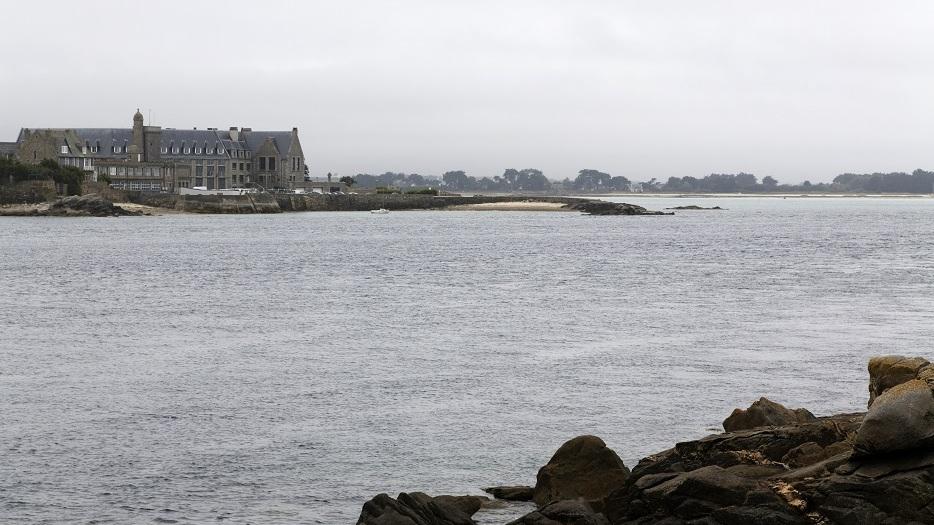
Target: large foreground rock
{"points": [[766, 413], [731, 478], [91, 205], [585, 468], [889, 371], [902, 418], [417, 508]]}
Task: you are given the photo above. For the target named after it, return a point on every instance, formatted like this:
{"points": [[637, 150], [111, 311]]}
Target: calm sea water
{"points": [[283, 369]]}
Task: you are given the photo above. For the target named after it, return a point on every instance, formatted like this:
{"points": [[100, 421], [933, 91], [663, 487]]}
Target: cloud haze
{"points": [[797, 90]]}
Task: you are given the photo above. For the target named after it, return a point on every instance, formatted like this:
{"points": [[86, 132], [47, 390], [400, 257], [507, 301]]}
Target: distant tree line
{"points": [[511, 180], [391, 179], [919, 181], [595, 181]]}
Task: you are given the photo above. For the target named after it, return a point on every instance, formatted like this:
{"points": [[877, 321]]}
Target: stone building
{"points": [[152, 158]]}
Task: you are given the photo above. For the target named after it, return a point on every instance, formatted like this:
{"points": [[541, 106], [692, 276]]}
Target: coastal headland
{"points": [[771, 465], [138, 203]]}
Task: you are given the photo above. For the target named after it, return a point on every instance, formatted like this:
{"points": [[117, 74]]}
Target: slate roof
{"points": [[255, 140], [206, 139], [104, 139]]}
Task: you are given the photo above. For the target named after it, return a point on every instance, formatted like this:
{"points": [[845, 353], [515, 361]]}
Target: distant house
{"points": [[152, 158]]}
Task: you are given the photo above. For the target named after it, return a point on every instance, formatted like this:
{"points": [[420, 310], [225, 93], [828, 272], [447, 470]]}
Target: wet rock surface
{"points": [[787, 468]]}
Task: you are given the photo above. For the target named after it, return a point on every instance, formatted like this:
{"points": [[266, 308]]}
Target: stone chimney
{"points": [[234, 133]]}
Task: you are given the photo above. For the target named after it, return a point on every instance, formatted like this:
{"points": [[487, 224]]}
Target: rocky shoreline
{"points": [[91, 205], [95, 205], [771, 465]]}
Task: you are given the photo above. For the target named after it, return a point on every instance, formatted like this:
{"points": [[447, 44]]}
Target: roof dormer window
{"points": [[175, 151], [187, 151], [197, 151], [165, 149], [64, 150], [116, 149], [220, 151]]}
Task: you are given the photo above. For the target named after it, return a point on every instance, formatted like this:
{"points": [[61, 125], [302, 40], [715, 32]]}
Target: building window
{"points": [[220, 151], [197, 151], [187, 151], [116, 149], [262, 163], [249, 166], [165, 150], [84, 150], [241, 166], [272, 164]]}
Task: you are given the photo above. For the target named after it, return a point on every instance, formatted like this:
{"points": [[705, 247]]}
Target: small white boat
{"points": [[381, 211]]}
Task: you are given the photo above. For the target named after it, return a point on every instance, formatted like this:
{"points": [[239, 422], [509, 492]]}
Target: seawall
{"points": [[248, 203]]}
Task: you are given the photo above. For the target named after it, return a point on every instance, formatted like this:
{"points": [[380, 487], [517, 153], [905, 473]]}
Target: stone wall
{"points": [[249, 203]]}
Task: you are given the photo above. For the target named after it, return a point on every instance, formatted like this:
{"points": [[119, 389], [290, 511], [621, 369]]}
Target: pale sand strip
{"points": [[511, 206], [149, 210]]}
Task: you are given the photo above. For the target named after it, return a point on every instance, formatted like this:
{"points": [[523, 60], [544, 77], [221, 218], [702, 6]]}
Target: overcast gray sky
{"points": [[793, 89]]}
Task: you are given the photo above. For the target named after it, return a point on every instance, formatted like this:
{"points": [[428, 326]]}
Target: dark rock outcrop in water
{"points": [[583, 468], [417, 508], [694, 207], [91, 205], [612, 208], [775, 466], [765, 413]]}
